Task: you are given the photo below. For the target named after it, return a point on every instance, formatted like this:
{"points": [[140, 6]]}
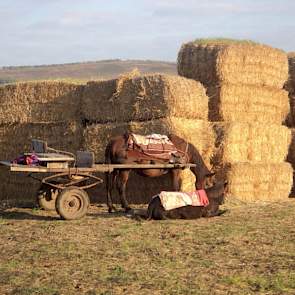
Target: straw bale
{"points": [[250, 142], [290, 85], [97, 136], [144, 98], [140, 189], [17, 189], [38, 102], [291, 152], [238, 63], [247, 103], [197, 132], [292, 193], [265, 181], [16, 138]]}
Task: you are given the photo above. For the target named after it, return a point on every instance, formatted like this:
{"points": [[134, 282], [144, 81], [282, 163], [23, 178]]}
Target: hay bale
{"points": [[291, 152], [16, 138], [198, 132], [290, 84], [247, 103], [140, 189], [17, 188], [250, 182], [38, 102], [144, 98], [212, 62], [250, 142], [97, 136], [290, 87]]}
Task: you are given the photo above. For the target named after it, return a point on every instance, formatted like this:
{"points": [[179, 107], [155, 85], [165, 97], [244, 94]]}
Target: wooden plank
{"points": [[95, 168]]}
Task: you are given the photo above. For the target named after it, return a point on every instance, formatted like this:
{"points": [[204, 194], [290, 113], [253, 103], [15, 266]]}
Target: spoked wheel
{"points": [[72, 203], [46, 197]]}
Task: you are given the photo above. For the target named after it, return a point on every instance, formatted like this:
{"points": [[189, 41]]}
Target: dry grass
{"points": [[249, 250], [104, 69]]}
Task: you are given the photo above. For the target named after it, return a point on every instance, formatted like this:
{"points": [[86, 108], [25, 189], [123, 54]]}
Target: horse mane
{"points": [[178, 140], [193, 153]]}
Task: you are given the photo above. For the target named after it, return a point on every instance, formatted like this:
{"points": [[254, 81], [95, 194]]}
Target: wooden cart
{"points": [[64, 187]]}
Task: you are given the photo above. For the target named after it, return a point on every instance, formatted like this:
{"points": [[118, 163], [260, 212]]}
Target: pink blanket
{"points": [[173, 200]]}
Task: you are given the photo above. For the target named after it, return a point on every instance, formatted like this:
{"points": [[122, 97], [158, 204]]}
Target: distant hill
{"points": [[105, 69]]}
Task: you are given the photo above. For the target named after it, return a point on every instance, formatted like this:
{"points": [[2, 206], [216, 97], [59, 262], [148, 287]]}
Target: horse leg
{"points": [[110, 179], [176, 181], [200, 181], [121, 185]]}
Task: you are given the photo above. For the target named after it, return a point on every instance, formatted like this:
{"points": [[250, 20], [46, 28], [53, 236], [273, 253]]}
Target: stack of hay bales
{"points": [[40, 110], [147, 104], [247, 106], [290, 87]]}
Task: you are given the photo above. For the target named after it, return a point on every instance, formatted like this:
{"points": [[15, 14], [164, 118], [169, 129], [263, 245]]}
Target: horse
{"points": [[116, 152], [215, 196]]}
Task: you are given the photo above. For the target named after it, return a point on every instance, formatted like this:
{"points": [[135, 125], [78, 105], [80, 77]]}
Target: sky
{"points": [[37, 32]]}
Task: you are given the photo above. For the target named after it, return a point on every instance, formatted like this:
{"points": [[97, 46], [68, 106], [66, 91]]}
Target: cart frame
{"points": [[64, 190]]}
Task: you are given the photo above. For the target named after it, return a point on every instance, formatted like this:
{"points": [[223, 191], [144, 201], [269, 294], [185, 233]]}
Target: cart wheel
{"points": [[46, 197], [72, 203]]}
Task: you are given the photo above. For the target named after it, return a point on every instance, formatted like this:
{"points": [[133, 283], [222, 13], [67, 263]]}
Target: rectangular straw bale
{"points": [[144, 98], [140, 189], [16, 138], [17, 188], [250, 142], [291, 152], [38, 102], [97, 136], [290, 118], [247, 103], [290, 85], [250, 182], [233, 62], [197, 132]]}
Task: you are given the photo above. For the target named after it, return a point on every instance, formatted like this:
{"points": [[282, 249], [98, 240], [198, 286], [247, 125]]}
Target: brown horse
{"points": [[117, 153]]}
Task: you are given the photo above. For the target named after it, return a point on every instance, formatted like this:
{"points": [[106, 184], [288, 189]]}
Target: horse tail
{"points": [[110, 177], [108, 154]]}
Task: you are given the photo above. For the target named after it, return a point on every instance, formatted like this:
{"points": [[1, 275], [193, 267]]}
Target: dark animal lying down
{"points": [[215, 196]]}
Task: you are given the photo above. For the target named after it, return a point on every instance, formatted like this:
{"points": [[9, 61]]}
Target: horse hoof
{"points": [[112, 209]]}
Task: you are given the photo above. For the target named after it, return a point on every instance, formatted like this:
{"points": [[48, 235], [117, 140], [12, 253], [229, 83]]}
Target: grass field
{"points": [[249, 250], [84, 71]]}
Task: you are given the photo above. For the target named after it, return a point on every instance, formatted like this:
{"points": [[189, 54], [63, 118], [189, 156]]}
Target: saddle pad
{"points": [[173, 200], [154, 141]]}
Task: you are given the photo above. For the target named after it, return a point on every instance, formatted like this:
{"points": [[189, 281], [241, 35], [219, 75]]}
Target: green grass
{"points": [[223, 41]]}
